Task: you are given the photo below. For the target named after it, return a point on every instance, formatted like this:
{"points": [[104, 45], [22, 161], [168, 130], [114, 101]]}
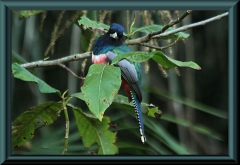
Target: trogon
{"points": [[105, 49]]}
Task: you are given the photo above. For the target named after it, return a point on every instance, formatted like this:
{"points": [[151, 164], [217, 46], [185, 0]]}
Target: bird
{"points": [[105, 49]]}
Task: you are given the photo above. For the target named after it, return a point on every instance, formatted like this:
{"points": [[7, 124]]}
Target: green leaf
{"points": [[133, 56], [154, 27], [23, 74], [158, 56], [78, 95], [87, 23], [86, 34], [131, 28], [23, 125], [92, 130], [28, 13], [85, 113], [16, 58], [170, 63], [100, 87], [154, 112], [120, 99], [85, 38]]}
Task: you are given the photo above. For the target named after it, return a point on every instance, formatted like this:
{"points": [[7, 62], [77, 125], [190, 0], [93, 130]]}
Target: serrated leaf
{"points": [[23, 125], [170, 63], [100, 87], [154, 112], [92, 130], [87, 23], [23, 74], [150, 28], [28, 13]]}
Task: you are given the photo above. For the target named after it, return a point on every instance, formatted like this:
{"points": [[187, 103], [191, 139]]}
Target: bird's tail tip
{"points": [[143, 139]]}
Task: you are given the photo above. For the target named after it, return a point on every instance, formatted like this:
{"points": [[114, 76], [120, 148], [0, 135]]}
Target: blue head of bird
{"points": [[116, 31]]}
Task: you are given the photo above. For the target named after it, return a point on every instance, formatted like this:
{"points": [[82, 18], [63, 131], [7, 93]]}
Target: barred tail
{"points": [[138, 111]]}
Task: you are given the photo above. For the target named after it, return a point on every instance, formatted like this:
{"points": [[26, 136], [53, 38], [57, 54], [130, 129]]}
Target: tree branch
{"points": [[183, 28], [70, 71], [70, 58], [186, 27], [160, 48]]}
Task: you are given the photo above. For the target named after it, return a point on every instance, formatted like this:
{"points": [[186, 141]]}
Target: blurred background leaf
{"points": [[28, 13]]}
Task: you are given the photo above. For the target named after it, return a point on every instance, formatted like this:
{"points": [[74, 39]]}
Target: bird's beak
{"points": [[114, 35]]}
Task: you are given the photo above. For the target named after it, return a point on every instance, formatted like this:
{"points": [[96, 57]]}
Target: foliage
{"points": [[87, 23], [98, 131], [100, 87], [99, 92], [23, 74], [23, 125]]}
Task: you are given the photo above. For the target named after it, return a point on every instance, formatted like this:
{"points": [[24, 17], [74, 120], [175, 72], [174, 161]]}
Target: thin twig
{"points": [[67, 131], [65, 101], [70, 58], [151, 46], [170, 24], [160, 48], [70, 71]]}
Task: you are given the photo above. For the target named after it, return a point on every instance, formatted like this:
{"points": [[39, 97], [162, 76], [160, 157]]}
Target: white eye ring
{"points": [[114, 35]]}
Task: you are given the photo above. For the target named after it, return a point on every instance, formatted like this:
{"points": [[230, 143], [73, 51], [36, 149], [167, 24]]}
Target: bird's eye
{"points": [[119, 34]]}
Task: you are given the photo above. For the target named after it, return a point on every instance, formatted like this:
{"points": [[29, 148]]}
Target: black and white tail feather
{"points": [[138, 112]]}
